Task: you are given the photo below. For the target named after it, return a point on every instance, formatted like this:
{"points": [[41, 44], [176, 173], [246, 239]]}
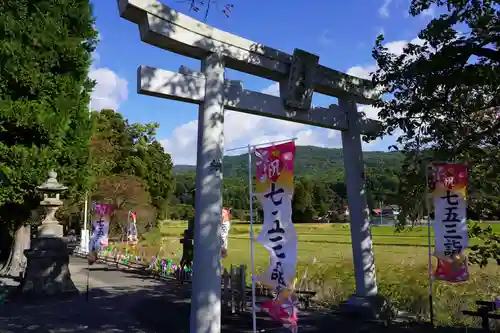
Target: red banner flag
{"points": [[452, 269]]}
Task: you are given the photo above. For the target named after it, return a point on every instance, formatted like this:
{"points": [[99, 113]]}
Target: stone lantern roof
{"points": [[51, 184]]}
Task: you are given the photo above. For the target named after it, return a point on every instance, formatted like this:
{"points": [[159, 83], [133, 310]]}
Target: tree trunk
{"points": [[16, 264]]}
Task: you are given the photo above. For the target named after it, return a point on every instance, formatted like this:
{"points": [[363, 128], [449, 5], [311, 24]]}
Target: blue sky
{"points": [[341, 33]]}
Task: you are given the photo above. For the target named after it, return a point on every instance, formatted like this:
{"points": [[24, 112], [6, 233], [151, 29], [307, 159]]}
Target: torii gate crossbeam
{"points": [[298, 75]]}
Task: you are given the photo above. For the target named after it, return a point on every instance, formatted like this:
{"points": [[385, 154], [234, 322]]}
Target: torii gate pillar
{"points": [[361, 240], [206, 290], [299, 75]]}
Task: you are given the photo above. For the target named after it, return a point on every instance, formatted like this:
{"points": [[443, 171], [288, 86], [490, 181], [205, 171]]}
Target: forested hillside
{"points": [[309, 159], [320, 183]]}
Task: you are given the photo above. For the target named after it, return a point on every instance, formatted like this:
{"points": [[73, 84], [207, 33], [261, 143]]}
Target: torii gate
{"points": [[298, 75]]}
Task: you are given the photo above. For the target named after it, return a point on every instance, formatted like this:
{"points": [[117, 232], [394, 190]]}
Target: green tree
{"points": [[445, 97], [303, 200], [324, 170], [126, 193], [45, 54], [184, 188], [123, 148]]}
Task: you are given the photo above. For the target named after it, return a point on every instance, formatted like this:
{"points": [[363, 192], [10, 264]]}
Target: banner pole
{"points": [[431, 280], [261, 144], [250, 192], [88, 282], [88, 266]]}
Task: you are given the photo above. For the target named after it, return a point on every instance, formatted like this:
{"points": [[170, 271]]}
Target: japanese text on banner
{"points": [[99, 238], [449, 185], [274, 190], [100, 229]]}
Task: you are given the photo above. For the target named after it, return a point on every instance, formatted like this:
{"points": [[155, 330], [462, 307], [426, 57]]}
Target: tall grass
{"points": [[400, 259]]}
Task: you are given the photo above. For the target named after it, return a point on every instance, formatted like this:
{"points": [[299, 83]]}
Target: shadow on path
{"points": [[139, 304], [163, 308]]}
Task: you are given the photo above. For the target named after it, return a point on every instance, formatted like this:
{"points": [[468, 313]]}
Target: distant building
{"points": [[390, 211], [387, 211]]}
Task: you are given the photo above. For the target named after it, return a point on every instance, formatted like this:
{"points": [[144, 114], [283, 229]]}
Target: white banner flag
{"points": [[450, 223], [448, 182], [279, 237], [224, 231], [84, 241], [100, 232], [449, 186], [274, 190]]}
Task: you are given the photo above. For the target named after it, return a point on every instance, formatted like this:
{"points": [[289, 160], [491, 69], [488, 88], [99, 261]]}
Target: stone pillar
{"points": [[206, 287], [362, 251], [188, 245], [47, 271]]}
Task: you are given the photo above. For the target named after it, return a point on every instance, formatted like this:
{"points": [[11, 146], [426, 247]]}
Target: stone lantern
{"points": [[47, 271], [187, 241]]}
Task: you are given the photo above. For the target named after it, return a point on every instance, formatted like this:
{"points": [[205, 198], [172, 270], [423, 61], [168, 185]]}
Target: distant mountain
{"points": [[184, 168], [308, 160]]}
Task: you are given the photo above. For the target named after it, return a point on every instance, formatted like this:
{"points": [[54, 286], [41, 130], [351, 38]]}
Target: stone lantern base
{"points": [[47, 270]]}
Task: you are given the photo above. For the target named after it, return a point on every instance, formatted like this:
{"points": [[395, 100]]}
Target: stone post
{"points": [[366, 301], [187, 241], [206, 290], [362, 252], [47, 271]]}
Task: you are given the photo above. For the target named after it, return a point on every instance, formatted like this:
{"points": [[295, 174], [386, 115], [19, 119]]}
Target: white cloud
{"points": [[95, 58], [398, 46], [370, 111], [110, 89], [242, 129], [273, 89], [384, 9], [366, 71], [363, 72], [429, 12], [395, 47]]}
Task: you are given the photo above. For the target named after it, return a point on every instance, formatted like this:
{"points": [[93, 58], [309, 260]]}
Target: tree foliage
{"points": [[320, 188], [120, 148], [45, 54], [126, 193], [443, 97]]}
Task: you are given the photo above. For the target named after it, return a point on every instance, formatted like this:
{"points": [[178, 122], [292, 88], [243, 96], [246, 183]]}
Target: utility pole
{"points": [[380, 169], [380, 208], [85, 237]]}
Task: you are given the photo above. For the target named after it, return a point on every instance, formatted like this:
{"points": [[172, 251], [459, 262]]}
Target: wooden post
{"points": [[233, 294], [243, 288], [225, 286], [234, 288]]}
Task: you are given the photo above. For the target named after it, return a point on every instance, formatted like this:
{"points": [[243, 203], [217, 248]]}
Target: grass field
{"points": [[400, 259]]}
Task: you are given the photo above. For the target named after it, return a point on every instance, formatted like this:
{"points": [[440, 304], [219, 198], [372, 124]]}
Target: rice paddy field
{"points": [[324, 251]]}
